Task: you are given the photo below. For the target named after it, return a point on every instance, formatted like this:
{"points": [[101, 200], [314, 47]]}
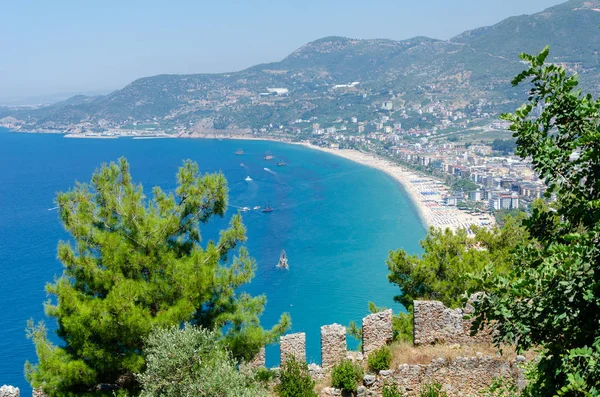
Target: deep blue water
{"points": [[335, 219]]}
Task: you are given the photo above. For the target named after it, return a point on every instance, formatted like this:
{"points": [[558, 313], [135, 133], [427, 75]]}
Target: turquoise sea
{"points": [[337, 220]]}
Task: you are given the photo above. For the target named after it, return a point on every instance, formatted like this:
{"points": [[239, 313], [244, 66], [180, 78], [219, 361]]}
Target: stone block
{"points": [[293, 345], [377, 331], [333, 345], [9, 391]]}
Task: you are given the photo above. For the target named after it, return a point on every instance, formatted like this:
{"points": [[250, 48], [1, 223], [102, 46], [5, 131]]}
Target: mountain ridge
{"points": [[475, 65]]}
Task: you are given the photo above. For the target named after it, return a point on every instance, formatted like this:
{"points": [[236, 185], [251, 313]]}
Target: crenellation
{"points": [[434, 323], [293, 345], [9, 391], [376, 331], [333, 345]]}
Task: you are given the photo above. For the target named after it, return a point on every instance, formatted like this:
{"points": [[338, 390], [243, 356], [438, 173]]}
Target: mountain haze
{"points": [[475, 65]]}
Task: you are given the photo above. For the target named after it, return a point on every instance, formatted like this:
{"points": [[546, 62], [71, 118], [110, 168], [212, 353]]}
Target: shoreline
{"points": [[425, 192]]}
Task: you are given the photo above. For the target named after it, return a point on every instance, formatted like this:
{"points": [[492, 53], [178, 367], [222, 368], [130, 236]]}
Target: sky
{"points": [[63, 47]]}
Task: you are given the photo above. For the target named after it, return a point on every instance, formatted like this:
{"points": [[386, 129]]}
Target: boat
{"points": [[239, 152], [267, 208], [268, 156], [242, 165], [246, 209], [283, 262], [281, 164], [267, 169], [257, 207], [248, 179]]}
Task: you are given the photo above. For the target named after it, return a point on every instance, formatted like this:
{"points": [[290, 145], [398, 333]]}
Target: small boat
{"points": [[283, 262], [267, 169], [281, 164], [269, 156], [267, 208], [239, 152], [257, 208], [248, 179], [245, 209], [242, 165]]}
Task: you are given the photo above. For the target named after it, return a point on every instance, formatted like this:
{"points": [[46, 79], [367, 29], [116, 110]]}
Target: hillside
{"points": [[472, 68]]}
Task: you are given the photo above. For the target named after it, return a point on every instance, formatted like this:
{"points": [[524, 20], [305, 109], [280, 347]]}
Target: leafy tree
{"points": [[346, 376], [551, 298], [441, 272], [137, 264], [294, 380], [193, 362]]}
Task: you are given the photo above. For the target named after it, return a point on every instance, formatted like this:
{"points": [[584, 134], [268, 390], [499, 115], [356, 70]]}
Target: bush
{"points": [[192, 362], [433, 390], [346, 375], [391, 391], [380, 359], [264, 375], [294, 380]]}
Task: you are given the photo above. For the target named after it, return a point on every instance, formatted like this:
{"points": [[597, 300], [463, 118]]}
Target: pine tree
{"points": [[135, 264]]}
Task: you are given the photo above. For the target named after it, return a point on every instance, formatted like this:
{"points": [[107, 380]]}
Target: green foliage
{"points": [[346, 376], [464, 185], [264, 375], [551, 298], [506, 146], [501, 387], [390, 391], [135, 264], [192, 362], [432, 390], [441, 272], [294, 380], [380, 359]]}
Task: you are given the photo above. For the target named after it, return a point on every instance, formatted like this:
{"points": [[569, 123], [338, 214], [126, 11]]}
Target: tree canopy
{"points": [[441, 273], [135, 264], [551, 298]]}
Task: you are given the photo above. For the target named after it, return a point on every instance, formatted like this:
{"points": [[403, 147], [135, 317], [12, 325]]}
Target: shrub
{"points": [[264, 375], [295, 381], [433, 390], [391, 391], [192, 362], [380, 359], [346, 375]]}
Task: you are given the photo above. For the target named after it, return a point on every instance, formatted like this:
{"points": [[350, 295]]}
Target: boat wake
{"points": [[269, 171]]}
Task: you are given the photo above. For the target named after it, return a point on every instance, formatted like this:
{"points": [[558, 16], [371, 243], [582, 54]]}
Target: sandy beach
{"points": [[426, 193]]}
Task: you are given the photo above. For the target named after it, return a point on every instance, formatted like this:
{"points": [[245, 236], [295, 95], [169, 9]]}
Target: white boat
{"points": [[283, 262], [248, 179], [256, 207], [245, 209]]}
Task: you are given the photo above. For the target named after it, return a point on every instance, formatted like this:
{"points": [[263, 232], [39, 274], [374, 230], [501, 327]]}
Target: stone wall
{"points": [[9, 391], [434, 323], [293, 345], [333, 345], [376, 331], [462, 377]]}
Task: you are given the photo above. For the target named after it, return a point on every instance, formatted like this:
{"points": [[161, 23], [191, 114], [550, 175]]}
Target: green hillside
{"points": [[476, 65]]}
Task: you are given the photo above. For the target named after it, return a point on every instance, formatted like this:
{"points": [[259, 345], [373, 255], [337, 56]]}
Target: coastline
{"points": [[425, 192]]}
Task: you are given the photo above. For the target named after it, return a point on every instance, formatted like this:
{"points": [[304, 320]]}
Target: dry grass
{"points": [[406, 353], [322, 383]]}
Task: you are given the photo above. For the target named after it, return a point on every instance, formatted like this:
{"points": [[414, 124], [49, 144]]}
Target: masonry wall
{"points": [[434, 323], [465, 376]]}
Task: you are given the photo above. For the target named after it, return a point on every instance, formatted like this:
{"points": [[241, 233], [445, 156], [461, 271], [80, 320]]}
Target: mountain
{"points": [[470, 71]]}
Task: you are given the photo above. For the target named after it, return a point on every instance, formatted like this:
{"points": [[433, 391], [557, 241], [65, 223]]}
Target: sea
{"points": [[336, 219]]}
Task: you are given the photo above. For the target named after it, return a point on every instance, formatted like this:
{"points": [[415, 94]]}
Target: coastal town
{"points": [[457, 164]]}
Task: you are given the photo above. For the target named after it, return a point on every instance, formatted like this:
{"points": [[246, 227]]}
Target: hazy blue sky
{"points": [[66, 46]]}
